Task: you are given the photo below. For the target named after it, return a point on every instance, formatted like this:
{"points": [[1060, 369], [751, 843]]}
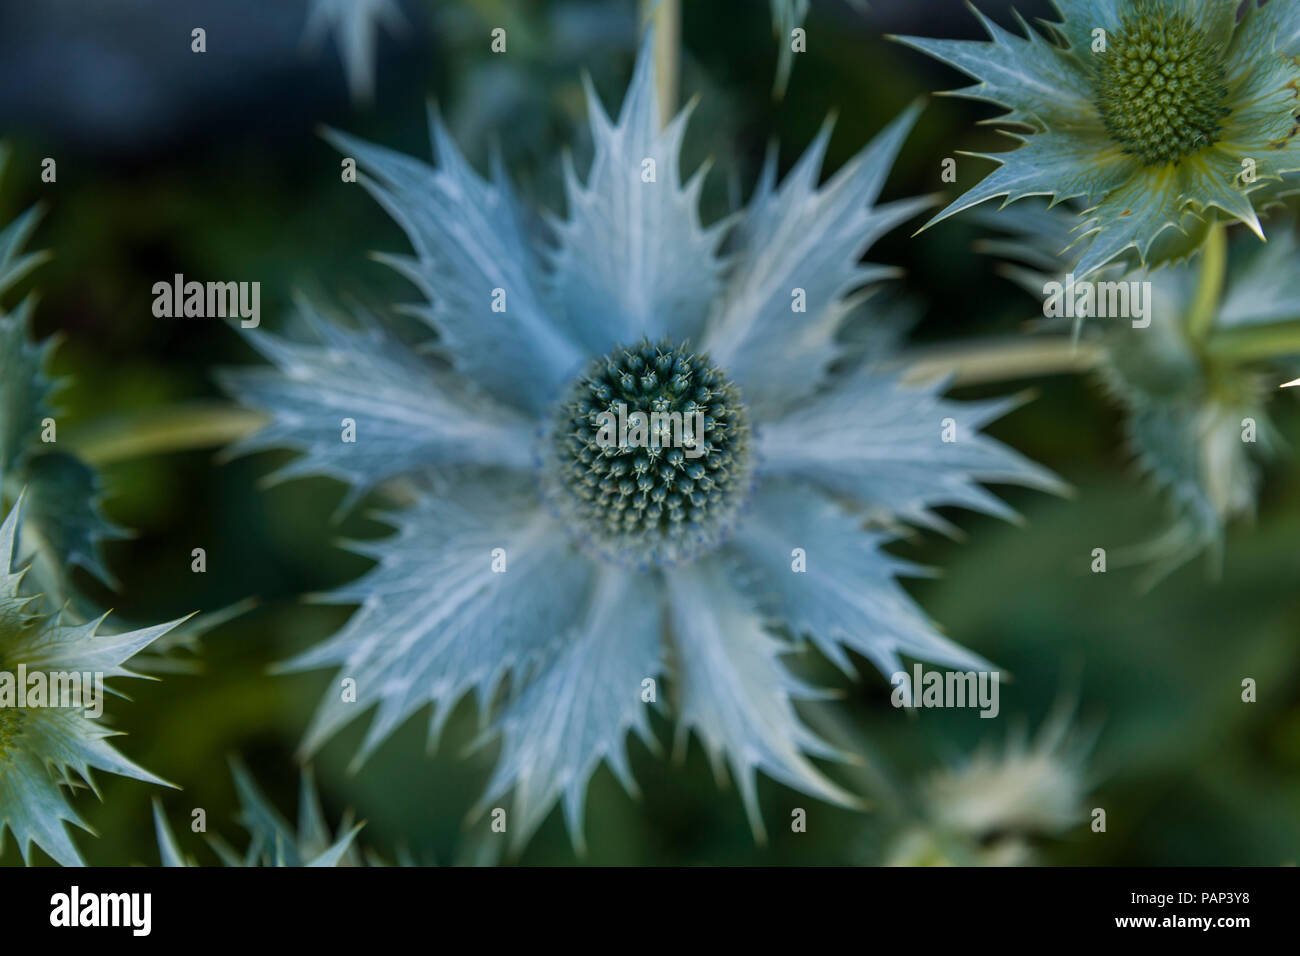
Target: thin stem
{"points": [[665, 16], [157, 431], [982, 362], [1263, 341], [1209, 287]]}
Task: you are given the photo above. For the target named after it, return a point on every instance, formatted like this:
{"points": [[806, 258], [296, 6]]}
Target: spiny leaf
{"points": [[435, 620], [472, 253], [632, 258], [579, 710], [797, 236], [731, 688], [406, 414], [786, 16], [355, 25], [881, 442], [43, 749], [848, 594]]}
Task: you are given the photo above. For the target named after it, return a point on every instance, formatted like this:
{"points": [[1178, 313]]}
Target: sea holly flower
{"points": [[1163, 116], [45, 748], [273, 841], [585, 572]]}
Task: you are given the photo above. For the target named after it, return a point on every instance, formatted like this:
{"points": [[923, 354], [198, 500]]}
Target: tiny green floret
{"points": [[649, 460]]}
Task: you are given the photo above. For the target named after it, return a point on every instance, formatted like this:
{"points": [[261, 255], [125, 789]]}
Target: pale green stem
{"points": [[665, 16], [161, 430], [1251, 342], [999, 360], [1209, 287]]}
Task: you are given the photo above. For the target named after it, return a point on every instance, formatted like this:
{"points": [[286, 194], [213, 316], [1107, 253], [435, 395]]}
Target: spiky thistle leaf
{"points": [[46, 748], [556, 734], [1196, 426], [806, 237], [752, 725], [625, 232], [64, 525], [406, 415], [272, 840]]}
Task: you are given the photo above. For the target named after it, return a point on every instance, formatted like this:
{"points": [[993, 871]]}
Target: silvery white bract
{"points": [[43, 749], [273, 841], [1162, 115], [582, 624]]}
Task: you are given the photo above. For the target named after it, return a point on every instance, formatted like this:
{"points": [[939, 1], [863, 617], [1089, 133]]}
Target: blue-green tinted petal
{"points": [[579, 710], [632, 258], [435, 619], [846, 593], [475, 264], [732, 689], [899, 449], [405, 414], [798, 244]]}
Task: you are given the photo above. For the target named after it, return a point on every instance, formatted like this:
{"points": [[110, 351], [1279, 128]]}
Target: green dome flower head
{"points": [[1162, 116], [546, 547], [656, 501]]}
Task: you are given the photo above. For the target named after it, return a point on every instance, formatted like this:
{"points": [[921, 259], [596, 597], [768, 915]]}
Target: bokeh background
{"points": [[212, 166]]}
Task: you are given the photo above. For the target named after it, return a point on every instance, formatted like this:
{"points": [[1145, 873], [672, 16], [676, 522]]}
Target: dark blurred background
{"points": [[211, 165]]}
